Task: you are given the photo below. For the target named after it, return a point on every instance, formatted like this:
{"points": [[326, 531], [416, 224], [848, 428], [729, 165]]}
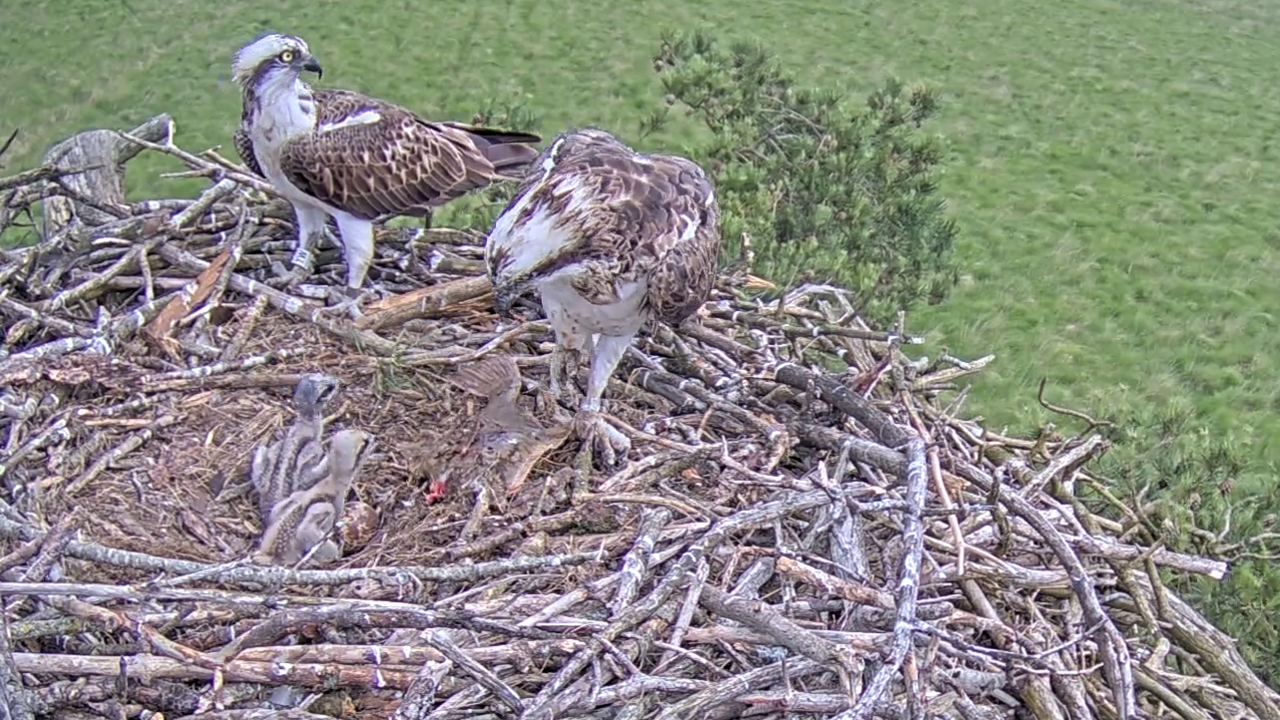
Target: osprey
{"points": [[352, 157], [609, 238]]}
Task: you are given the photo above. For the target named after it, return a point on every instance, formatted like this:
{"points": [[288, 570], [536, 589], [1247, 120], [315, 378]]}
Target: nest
{"points": [[802, 527]]}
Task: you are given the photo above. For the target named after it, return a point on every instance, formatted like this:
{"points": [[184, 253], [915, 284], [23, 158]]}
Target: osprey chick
{"points": [[609, 238], [354, 157]]}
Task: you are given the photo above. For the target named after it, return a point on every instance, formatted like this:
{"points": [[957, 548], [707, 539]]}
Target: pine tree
{"points": [[825, 192]]}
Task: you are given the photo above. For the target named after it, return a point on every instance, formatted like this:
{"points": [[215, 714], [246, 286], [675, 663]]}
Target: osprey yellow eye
{"points": [[286, 56]]}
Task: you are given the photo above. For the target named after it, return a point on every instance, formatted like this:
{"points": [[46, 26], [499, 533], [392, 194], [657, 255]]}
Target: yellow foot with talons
{"points": [[605, 439]]}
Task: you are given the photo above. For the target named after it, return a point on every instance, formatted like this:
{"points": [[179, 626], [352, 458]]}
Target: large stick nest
{"points": [[802, 528]]}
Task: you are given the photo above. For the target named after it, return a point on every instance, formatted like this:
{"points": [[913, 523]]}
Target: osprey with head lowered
{"points": [[353, 157], [609, 238]]}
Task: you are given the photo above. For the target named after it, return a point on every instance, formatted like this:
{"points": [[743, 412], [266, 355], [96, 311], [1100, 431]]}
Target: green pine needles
{"points": [[825, 192]]}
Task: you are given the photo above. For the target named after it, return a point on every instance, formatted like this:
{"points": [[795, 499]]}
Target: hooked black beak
{"points": [[310, 64], [506, 295], [503, 300]]}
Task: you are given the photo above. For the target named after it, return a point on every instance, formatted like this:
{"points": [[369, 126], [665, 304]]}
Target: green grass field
{"points": [[1113, 166]]}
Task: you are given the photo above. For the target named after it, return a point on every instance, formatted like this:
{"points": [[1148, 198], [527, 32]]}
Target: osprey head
{"points": [[271, 54], [507, 286], [313, 392], [349, 449]]}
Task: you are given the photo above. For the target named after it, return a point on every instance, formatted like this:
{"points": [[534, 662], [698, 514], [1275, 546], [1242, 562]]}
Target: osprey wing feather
{"points": [[370, 158], [244, 147]]}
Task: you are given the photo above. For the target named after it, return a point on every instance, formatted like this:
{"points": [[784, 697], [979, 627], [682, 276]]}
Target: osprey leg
{"points": [[357, 251], [346, 301], [567, 353], [605, 356], [357, 248], [310, 226]]}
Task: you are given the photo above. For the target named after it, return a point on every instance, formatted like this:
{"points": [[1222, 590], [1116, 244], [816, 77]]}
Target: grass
{"points": [[1113, 165]]}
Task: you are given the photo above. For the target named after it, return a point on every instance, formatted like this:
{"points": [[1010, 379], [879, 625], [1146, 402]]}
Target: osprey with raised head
{"points": [[353, 157], [609, 238]]}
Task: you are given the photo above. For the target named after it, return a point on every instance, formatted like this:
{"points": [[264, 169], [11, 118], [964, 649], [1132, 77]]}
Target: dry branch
{"points": [[783, 539], [106, 153]]}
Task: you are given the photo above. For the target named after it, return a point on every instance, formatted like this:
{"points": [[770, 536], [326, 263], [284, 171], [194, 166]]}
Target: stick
{"points": [[1114, 650], [764, 619], [14, 701], [278, 575], [154, 667], [424, 303]]}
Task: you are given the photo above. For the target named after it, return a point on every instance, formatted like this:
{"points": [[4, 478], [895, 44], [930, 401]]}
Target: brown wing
{"points": [[685, 262], [333, 104], [504, 149], [494, 376], [400, 164], [623, 214]]}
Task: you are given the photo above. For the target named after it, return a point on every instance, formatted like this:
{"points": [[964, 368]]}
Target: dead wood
{"points": [[151, 667], [804, 526], [425, 302], [14, 701], [102, 186]]}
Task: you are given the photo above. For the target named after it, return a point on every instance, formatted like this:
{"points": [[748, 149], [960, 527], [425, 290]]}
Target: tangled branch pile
{"points": [[783, 539]]}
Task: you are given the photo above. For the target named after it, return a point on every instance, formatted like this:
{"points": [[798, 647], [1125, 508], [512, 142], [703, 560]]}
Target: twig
{"points": [[652, 520], [41, 174], [1115, 653], [764, 619], [8, 143], [197, 164], [1092, 424], [908, 585], [477, 671], [128, 445]]}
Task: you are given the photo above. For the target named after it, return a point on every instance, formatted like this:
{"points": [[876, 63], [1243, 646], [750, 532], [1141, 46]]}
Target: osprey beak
{"points": [[502, 302], [504, 298], [310, 64]]}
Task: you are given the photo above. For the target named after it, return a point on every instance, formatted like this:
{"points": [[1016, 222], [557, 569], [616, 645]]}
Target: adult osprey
{"points": [[354, 157], [609, 238]]}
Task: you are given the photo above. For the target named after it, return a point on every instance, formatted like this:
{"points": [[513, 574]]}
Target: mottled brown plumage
{"points": [[610, 238], [355, 158], [500, 446], [618, 216], [401, 164]]}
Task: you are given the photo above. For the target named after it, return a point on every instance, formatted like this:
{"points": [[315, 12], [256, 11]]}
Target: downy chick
{"points": [[305, 518], [297, 460]]}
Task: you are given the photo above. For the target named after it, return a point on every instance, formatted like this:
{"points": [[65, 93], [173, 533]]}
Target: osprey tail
{"points": [[509, 152]]}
